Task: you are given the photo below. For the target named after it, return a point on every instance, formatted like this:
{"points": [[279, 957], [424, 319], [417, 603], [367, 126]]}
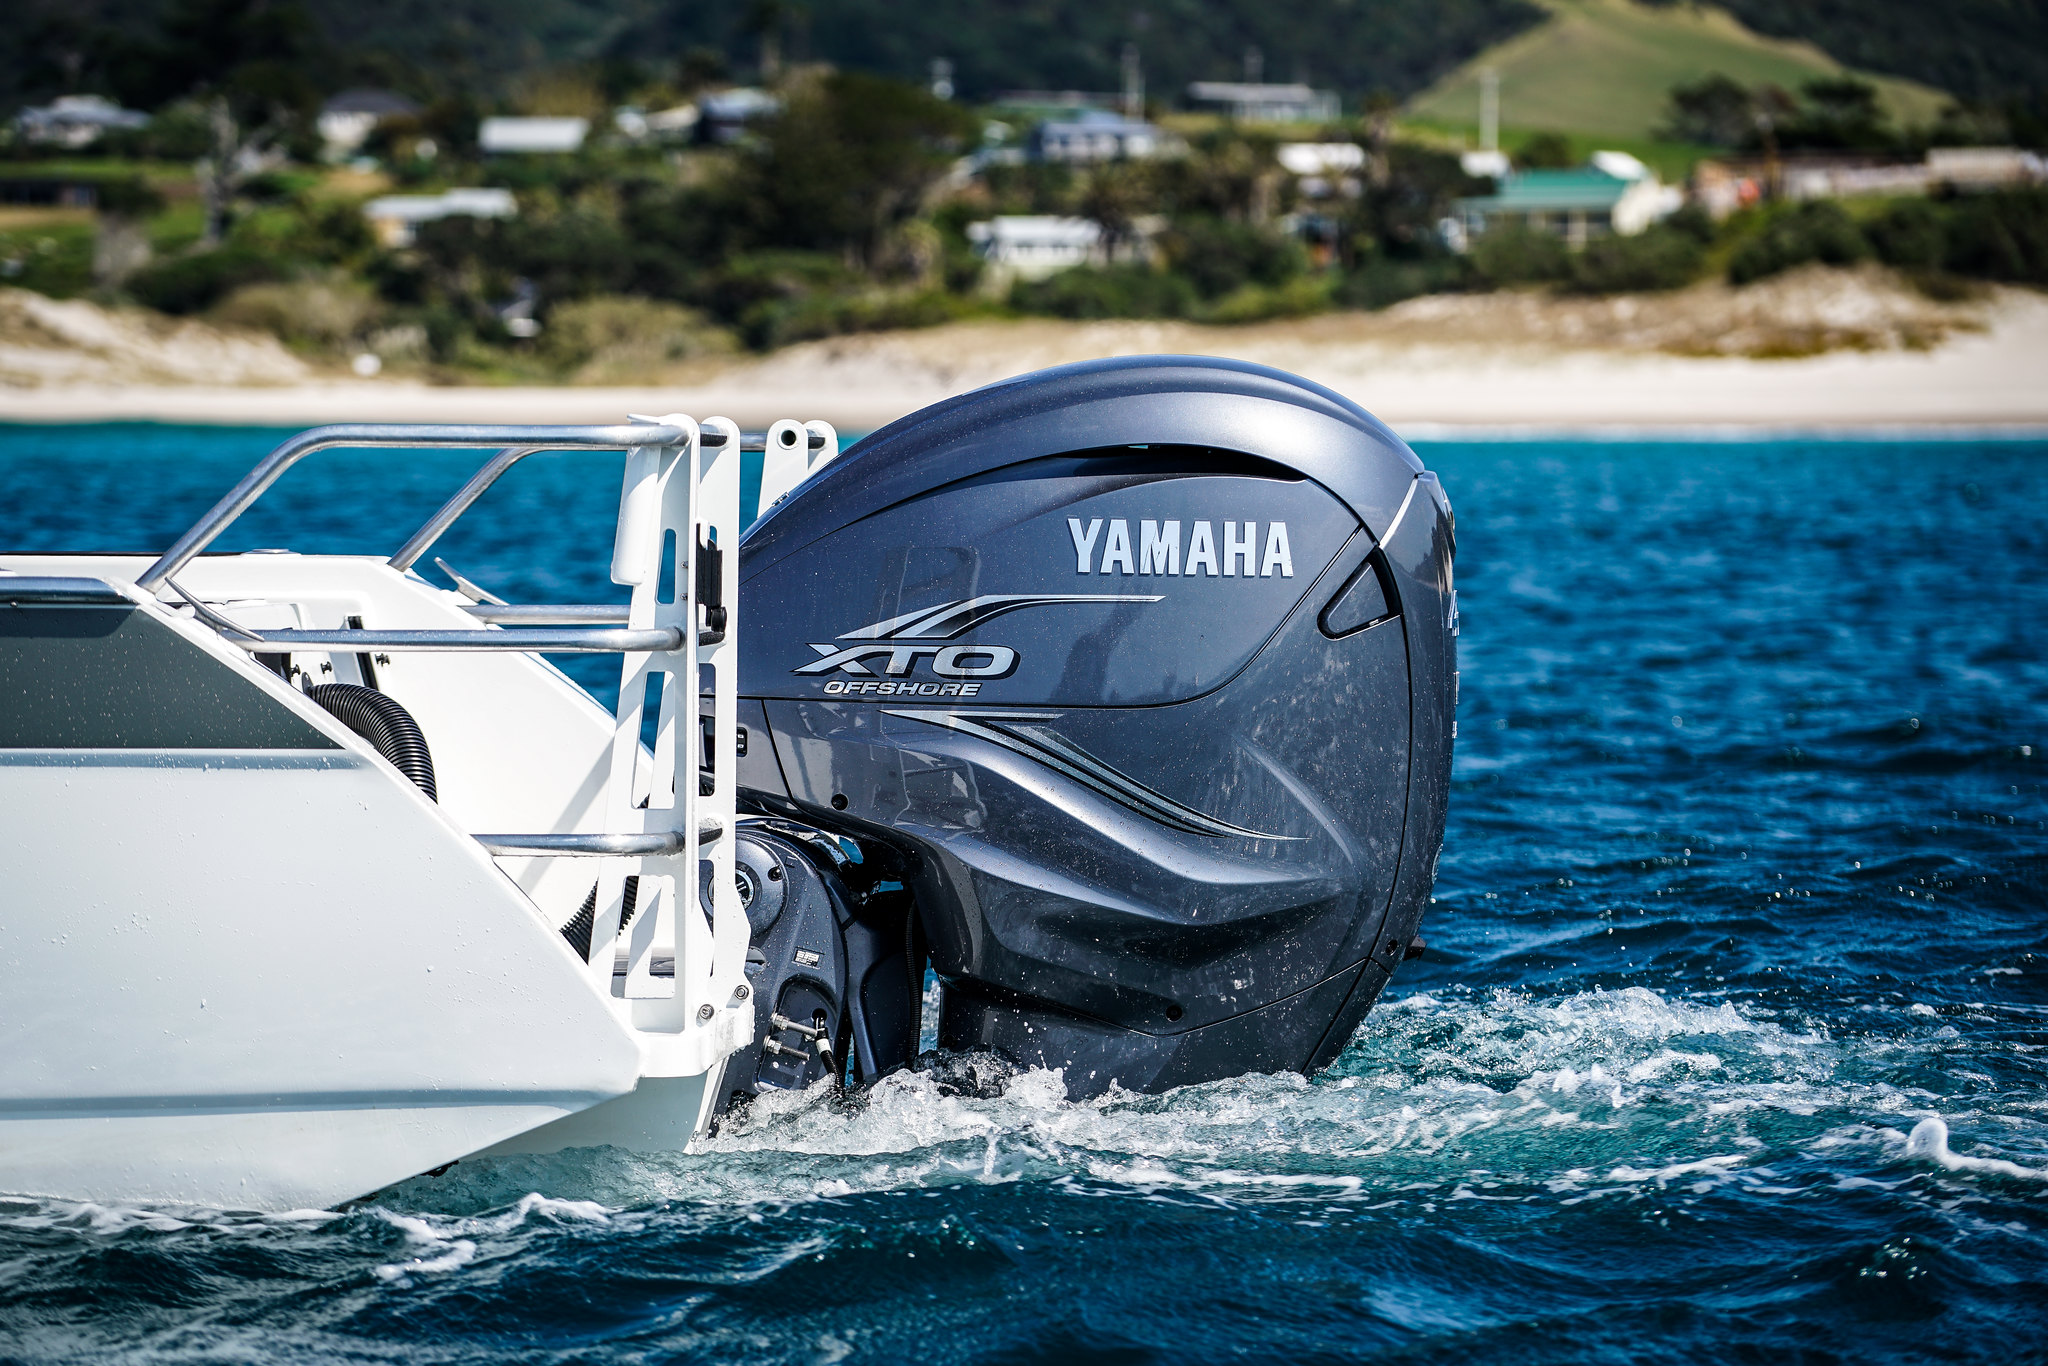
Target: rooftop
{"points": [[382, 103], [531, 135]]}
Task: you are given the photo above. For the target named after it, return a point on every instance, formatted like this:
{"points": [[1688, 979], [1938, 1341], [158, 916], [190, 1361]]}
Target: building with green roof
{"points": [[1614, 193]]}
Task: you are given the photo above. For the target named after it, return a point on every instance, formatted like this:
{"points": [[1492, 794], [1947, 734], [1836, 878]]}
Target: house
{"points": [[1099, 135], [347, 120], [1056, 104], [1032, 246], [667, 125], [1323, 168], [1724, 184], [1484, 163], [726, 114], [543, 135], [1259, 102], [395, 218], [1613, 193], [75, 120], [1974, 168]]}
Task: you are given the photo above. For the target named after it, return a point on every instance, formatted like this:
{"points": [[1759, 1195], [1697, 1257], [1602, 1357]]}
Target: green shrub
{"points": [[130, 196], [1255, 303], [2000, 236], [1821, 231], [1695, 222], [49, 258], [1659, 258], [758, 284], [1912, 235], [1127, 291], [780, 322], [1218, 256], [612, 339], [1381, 281], [189, 283], [1546, 151], [315, 315], [1515, 254]]}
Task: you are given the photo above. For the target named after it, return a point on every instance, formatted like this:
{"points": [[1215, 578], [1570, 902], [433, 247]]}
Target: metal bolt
{"points": [[704, 1014], [741, 992]]}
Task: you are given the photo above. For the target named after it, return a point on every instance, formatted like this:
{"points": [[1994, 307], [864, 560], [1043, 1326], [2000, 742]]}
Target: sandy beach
{"points": [[1880, 356]]}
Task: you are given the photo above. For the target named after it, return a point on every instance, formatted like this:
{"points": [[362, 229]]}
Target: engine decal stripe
{"points": [[950, 619], [1063, 756]]}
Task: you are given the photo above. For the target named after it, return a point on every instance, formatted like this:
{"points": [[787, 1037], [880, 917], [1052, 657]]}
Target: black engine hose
{"points": [[390, 729], [582, 924]]}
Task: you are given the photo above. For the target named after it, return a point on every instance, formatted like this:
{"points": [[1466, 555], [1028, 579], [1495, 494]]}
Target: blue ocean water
{"points": [[1731, 1042]]}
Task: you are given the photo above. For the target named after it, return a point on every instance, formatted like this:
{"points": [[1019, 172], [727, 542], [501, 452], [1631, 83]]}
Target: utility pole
{"points": [[1134, 83]]}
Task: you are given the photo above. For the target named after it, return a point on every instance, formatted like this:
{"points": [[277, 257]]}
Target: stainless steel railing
{"points": [[494, 469], [562, 640], [519, 441]]}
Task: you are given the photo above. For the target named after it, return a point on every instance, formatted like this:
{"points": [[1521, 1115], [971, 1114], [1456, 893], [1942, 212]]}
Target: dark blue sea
{"points": [[1730, 1044]]}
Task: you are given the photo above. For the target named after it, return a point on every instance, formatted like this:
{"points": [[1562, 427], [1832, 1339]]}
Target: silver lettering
{"points": [[1159, 547], [1277, 552], [1117, 550], [1235, 550], [949, 663], [1202, 548], [1084, 541], [848, 659]]}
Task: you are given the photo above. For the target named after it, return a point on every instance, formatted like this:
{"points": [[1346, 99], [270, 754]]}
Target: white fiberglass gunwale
{"points": [[251, 964]]}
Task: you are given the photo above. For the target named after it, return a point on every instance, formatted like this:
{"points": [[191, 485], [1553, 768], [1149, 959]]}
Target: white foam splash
{"points": [[448, 1243], [1437, 1093], [1929, 1143]]}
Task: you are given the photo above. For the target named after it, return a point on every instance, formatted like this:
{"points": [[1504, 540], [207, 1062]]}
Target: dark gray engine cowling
{"points": [[1144, 670]]}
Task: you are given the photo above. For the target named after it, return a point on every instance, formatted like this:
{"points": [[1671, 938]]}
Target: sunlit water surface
{"points": [[1729, 1043]]}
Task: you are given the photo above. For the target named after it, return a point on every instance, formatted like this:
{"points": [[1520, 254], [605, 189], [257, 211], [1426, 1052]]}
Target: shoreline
{"points": [[1435, 367]]}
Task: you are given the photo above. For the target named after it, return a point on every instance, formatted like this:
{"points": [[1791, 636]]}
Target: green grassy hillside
{"points": [[1603, 68]]}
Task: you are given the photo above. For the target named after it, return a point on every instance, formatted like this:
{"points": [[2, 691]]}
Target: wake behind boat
{"points": [[1119, 696]]}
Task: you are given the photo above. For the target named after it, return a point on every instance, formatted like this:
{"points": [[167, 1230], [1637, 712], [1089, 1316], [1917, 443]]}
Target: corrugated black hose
{"points": [[580, 925], [390, 729]]}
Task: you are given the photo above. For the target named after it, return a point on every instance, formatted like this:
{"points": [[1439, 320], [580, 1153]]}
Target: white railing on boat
{"points": [[681, 488]]}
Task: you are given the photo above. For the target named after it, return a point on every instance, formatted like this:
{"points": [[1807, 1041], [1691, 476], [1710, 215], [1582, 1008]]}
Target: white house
{"points": [[1259, 102], [1321, 158], [727, 113], [1099, 135], [75, 120], [395, 218], [1323, 168], [1614, 193], [347, 120], [514, 135], [1032, 246]]}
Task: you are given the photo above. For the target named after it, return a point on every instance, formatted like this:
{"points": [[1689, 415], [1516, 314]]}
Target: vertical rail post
{"points": [[656, 496], [717, 949]]}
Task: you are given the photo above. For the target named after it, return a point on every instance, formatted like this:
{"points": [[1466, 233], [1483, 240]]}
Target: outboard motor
{"points": [[1121, 694]]}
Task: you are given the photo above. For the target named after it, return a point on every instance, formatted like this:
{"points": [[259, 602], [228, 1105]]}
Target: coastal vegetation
{"points": [[849, 202]]}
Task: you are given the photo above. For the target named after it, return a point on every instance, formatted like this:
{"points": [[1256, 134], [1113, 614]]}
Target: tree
{"points": [[1548, 151], [1113, 197], [1838, 113], [850, 157], [1717, 110]]}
